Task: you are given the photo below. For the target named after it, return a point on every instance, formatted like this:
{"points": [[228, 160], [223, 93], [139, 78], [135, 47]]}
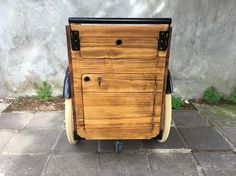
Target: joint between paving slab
{"points": [[225, 138], [3, 150], [23, 154], [169, 151], [148, 162], [200, 170], [46, 164], [195, 127], [56, 142], [218, 130], [98, 165], [181, 137], [99, 147]]}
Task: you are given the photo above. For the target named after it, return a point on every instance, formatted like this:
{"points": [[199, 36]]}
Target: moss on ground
{"points": [[226, 110]]}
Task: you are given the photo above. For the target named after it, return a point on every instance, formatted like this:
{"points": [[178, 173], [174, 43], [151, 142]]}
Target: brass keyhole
{"points": [[99, 79]]}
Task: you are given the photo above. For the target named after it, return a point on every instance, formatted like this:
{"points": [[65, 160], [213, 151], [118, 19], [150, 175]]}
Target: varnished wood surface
{"points": [[114, 83], [128, 48], [125, 31], [128, 102]]}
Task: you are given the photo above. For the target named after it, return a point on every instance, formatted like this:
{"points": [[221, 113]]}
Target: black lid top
{"points": [[120, 20]]}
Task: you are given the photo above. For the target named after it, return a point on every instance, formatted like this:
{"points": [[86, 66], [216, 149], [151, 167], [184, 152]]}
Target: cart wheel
{"points": [[119, 146], [167, 122], [69, 121]]}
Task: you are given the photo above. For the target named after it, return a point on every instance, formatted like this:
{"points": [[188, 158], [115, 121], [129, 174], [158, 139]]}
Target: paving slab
{"points": [[220, 116], [172, 164], [123, 164], [5, 137], [191, 119], [3, 106], [63, 146], [72, 164], [173, 142], [14, 121], [217, 163], [32, 142], [21, 165], [230, 134], [204, 139], [46, 120], [128, 145]]}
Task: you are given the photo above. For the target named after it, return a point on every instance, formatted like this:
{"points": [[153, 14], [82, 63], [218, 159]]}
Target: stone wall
{"points": [[33, 44]]}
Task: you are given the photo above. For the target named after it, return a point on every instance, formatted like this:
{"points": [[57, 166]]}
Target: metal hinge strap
{"points": [[75, 40], [163, 40]]}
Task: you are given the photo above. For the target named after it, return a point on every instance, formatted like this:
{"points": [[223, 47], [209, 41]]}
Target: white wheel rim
{"points": [[167, 122], [69, 121]]}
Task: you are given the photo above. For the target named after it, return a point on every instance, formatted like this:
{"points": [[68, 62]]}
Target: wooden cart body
{"points": [[118, 71]]}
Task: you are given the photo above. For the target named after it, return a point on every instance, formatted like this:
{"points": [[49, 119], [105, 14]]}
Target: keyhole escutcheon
{"points": [[99, 79]]}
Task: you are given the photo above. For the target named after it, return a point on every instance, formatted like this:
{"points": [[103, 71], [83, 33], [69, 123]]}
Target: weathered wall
{"points": [[33, 45]]}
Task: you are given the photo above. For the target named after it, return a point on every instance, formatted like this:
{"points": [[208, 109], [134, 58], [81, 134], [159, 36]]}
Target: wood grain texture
{"points": [[125, 31], [118, 83], [119, 47], [128, 102]]}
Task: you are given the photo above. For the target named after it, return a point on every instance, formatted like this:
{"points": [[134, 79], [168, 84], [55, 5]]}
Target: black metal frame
{"points": [[169, 84], [66, 86], [120, 20]]}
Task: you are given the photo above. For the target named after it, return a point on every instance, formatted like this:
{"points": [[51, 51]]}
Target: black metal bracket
{"points": [[75, 43], [77, 137], [163, 40]]}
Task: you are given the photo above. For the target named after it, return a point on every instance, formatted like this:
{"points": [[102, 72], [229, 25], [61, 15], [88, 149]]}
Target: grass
{"points": [[177, 102], [212, 95], [232, 97], [44, 91]]}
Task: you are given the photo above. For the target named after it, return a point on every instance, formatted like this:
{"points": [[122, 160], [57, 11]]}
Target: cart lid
{"points": [[119, 20]]}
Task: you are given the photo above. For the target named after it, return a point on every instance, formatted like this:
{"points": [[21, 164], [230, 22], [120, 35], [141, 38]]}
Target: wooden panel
{"points": [[108, 134], [120, 31], [94, 47], [119, 104], [118, 83], [155, 66], [118, 110]]}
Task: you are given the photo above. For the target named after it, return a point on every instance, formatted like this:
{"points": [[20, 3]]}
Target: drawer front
{"points": [[126, 48]]}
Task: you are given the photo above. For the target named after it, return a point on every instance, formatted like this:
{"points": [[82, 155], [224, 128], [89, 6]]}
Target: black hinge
{"points": [[75, 43], [163, 40]]}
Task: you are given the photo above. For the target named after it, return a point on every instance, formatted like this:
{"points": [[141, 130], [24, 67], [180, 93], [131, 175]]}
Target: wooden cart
{"points": [[117, 85]]}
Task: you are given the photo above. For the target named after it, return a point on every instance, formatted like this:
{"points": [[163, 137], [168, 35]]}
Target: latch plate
{"points": [[163, 40], [75, 43]]}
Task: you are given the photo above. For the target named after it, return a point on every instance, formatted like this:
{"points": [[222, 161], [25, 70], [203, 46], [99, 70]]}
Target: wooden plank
{"points": [[120, 31], [116, 99], [118, 83], [129, 48], [108, 134], [155, 66], [135, 123]]}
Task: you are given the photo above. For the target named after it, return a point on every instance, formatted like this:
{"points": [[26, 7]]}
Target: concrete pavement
{"points": [[36, 144]]}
